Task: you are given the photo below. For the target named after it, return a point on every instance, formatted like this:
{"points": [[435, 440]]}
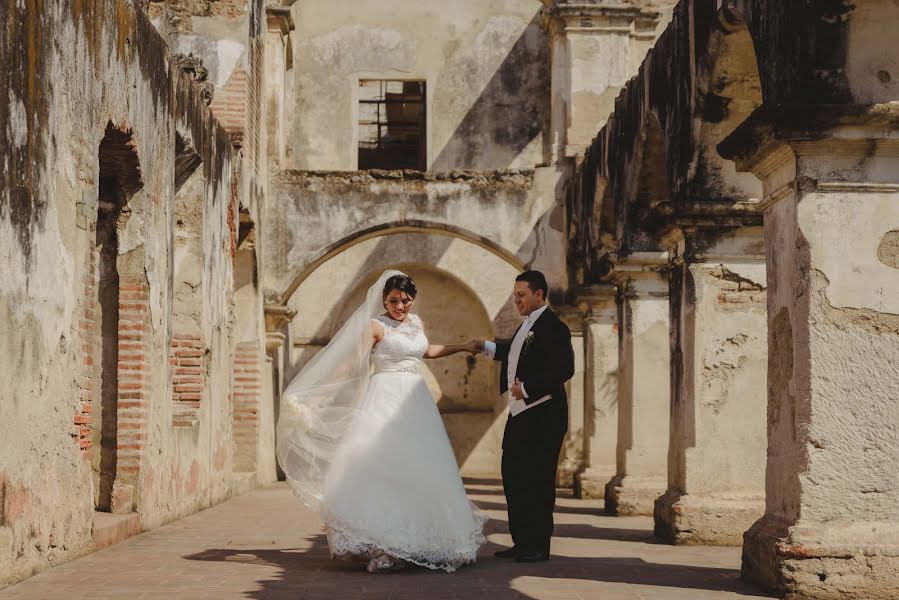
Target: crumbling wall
{"points": [[75, 71]]}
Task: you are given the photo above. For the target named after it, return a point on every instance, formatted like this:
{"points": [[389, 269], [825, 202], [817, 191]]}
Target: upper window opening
{"points": [[392, 124]]}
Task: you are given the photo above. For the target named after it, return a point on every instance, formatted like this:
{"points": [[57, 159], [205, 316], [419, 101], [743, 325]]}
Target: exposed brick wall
{"points": [[256, 154], [186, 357], [133, 375], [88, 339], [229, 105], [247, 390]]}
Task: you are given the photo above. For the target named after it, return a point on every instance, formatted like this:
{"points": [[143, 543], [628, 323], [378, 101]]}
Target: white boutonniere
{"points": [[527, 341]]}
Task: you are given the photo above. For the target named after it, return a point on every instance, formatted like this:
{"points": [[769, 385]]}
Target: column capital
{"points": [[641, 274], [278, 18], [277, 316], [602, 16], [598, 303], [572, 316], [709, 231]]}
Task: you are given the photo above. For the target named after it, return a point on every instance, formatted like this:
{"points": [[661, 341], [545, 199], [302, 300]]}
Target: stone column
{"points": [[716, 454], [278, 60], [831, 202], [277, 319], [572, 458], [598, 304], [596, 48], [643, 386]]}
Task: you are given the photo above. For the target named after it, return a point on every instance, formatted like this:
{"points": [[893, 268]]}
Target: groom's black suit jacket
{"points": [[545, 364]]}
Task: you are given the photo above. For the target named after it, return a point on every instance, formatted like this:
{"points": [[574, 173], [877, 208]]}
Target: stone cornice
{"points": [[602, 16], [770, 127], [703, 214]]}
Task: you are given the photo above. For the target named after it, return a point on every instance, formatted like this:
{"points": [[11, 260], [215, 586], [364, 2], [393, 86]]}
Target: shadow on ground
{"points": [[309, 572]]}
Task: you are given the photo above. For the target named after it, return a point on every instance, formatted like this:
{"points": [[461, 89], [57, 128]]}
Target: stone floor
{"points": [[264, 545]]}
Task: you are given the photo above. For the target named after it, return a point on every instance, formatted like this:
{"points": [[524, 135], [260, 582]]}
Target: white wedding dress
{"points": [[394, 490]]}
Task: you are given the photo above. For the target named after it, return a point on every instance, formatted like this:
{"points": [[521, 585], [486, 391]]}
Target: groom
{"points": [[535, 366]]}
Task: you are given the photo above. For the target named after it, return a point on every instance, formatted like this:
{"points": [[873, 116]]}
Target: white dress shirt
{"points": [[517, 406]]}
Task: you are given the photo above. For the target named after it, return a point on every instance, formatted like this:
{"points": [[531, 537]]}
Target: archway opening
{"points": [[120, 308], [464, 291]]}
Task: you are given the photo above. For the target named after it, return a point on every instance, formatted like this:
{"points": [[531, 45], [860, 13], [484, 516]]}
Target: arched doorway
{"points": [[464, 291]]}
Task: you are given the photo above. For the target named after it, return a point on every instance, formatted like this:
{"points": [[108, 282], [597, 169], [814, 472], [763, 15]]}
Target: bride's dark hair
{"points": [[402, 283]]}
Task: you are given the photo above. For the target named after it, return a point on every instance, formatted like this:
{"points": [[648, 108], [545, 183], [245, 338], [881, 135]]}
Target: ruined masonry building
{"points": [[194, 194]]}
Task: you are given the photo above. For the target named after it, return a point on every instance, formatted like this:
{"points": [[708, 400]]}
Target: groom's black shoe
{"points": [[532, 557], [507, 553]]}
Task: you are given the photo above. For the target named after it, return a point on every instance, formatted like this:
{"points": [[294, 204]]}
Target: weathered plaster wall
{"points": [[512, 213], [486, 67], [70, 68]]}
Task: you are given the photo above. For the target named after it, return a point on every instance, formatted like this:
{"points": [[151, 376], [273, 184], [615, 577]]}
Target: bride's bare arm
{"points": [[377, 333], [441, 350]]}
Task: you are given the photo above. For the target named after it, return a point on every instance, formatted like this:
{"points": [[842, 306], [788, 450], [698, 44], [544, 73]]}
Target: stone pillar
{"points": [[596, 48], [598, 304], [831, 202], [278, 60], [572, 458], [277, 319], [716, 454], [643, 386]]}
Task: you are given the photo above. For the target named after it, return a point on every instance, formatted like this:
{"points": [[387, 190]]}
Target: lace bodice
{"points": [[403, 346]]}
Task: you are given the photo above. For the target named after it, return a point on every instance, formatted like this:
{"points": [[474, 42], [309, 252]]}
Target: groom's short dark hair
{"points": [[535, 280]]}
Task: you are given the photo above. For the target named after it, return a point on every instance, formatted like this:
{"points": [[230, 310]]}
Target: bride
{"points": [[369, 451]]}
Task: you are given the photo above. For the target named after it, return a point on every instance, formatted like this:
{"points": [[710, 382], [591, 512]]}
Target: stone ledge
{"points": [[110, 529], [515, 177]]}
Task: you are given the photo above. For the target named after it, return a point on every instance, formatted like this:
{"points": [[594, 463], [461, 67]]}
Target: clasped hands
{"points": [[476, 346]]}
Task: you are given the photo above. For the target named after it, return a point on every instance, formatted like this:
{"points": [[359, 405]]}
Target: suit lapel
{"points": [[527, 350]]}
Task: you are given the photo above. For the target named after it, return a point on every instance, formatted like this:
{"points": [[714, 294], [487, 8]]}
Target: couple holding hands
{"points": [[362, 442]]}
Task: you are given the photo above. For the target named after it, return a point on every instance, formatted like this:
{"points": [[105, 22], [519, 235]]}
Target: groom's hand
{"points": [[474, 346], [478, 344], [515, 390]]}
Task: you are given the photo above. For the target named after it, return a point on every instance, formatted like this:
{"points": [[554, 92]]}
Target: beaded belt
{"points": [[413, 370]]}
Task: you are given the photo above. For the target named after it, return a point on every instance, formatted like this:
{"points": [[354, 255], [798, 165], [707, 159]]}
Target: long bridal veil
{"points": [[321, 402]]}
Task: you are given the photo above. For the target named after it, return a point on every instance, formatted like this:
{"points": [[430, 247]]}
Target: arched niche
{"points": [[464, 291]]}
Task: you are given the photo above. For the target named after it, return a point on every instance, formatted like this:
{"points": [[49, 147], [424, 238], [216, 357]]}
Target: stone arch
{"points": [[120, 300], [729, 89], [647, 185], [464, 291], [653, 185], [392, 228]]}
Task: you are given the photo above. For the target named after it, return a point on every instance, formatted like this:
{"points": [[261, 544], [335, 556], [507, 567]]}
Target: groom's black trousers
{"points": [[531, 447]]}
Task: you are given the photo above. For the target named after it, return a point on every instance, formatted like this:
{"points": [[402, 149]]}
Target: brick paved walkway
{"points": [[263, 545]]}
